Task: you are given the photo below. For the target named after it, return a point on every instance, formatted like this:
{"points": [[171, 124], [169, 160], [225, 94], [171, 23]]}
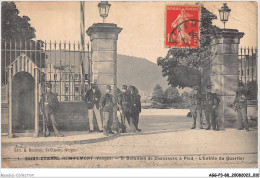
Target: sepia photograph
{"points": [[129, 84]]}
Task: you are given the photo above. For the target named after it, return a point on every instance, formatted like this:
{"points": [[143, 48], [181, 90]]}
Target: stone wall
{"points": [[72, 116]]}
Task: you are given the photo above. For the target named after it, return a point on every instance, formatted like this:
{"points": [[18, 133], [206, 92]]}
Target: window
{"points": [[66, 76], [76, 88], [242, 72], [66, 98], [76, 76], [66, 89], [247, 71], [77, 98], [55, 76]]}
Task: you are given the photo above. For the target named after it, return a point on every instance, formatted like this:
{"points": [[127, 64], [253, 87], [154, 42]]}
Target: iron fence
{"points": [[60, 63], [248, 64]]}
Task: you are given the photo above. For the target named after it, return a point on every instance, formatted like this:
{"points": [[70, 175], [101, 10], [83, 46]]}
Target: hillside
{"points": [[139, 72]]}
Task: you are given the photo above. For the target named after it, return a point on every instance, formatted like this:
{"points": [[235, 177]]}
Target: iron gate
{"points": [[247, 64], [60, 63]]}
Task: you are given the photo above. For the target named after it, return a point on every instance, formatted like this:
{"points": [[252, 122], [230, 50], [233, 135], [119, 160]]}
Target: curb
{"points": [[51, 143]]}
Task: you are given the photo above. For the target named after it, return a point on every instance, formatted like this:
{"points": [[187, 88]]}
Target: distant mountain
{"points": [[139, 72], [135, 71]]}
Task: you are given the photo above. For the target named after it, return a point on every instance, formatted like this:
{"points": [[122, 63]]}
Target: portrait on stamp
{"points": [[182, 26]]}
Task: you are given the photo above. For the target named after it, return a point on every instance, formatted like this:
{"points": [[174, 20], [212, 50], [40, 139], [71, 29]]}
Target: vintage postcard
{"points": [[121, 84]]}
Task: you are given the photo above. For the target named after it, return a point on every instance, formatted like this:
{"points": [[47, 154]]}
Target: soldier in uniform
{"points": [[136, 107], [124, 100], [240, 104], [196, 107], [211, 102], [49, 105], [107, 105], [92, 99]]}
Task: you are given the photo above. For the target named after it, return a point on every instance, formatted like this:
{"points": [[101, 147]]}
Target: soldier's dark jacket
{"points": [[196, 100], [106, 102], [211, 99], [136, 103], [240, 99], [90, 98], [124, 101], [49, 103]]}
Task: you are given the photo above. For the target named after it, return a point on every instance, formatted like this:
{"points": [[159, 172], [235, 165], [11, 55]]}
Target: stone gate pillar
{"points": [[103, 37], [224, 72]]}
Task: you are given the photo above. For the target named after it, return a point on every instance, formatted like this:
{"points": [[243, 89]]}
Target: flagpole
{"points": [[82, 39], [89, 67]]}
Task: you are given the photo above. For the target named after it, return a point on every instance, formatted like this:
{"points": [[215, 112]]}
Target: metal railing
{"points": [[60, 63], [247, 64]]}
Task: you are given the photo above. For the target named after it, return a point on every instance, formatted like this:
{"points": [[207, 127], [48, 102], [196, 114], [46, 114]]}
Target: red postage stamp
{"points": [[182, 26]]}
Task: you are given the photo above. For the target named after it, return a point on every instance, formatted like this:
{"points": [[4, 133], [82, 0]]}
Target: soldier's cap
{"points": [[124, 87], [240, 84], [196, 88], [109, 87], [132, 87], [93, 85], [209, 87], [48, 85]]}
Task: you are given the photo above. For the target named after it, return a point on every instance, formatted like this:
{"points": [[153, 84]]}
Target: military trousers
{"points": [[91, 113], [108, 121], [242, 118], [136, 120], [124, 119], [46, 124], [211, 119], [126, 116], [196, 113]]}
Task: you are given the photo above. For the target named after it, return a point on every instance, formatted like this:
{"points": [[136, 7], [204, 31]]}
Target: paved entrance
{"points": [[163, 137]]}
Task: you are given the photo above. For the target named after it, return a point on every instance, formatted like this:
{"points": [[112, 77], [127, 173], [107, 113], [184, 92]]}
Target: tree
{"points": [[172, 95], [158, 94], [182, 66], [15, 27], [17, 38]]}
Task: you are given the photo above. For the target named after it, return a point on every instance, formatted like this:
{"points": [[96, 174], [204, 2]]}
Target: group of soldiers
{"points": [[99, 106], [210, 101], [128, 106]]}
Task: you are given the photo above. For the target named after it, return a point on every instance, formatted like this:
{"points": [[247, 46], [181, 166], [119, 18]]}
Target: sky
{"points": [[143, 23]]}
